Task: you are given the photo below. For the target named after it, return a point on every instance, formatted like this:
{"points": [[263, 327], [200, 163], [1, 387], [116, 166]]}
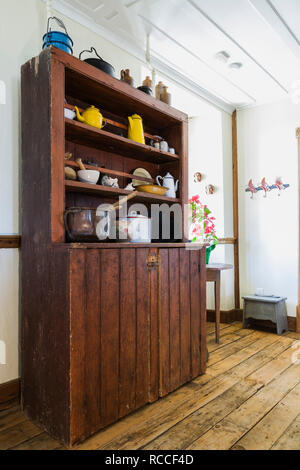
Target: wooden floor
{"points": [[249, 399]]}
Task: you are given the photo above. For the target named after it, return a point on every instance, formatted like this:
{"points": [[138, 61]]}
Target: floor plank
{"points": [[290, 440], [248, 399], [225, 434], [267, 432]]}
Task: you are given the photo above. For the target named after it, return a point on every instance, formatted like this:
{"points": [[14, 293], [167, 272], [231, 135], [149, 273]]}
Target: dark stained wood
{"points": [[109, 172], [114, 123], [96, 87], [195, 313], [77, 186], [185, 315], [57, 151], [154, 302], [164, 324], [10, 241], [110, 331], [106, 327], [142, 328], [9, 391], [174, 289], [128, 322], [78, 399], [81, 133], [93, 333]]}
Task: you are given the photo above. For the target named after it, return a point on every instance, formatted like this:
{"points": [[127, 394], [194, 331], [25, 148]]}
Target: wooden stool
{"points": [[213, 274]]}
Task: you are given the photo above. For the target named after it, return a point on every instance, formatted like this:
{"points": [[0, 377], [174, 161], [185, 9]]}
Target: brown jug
{"points": [[125, 77], [165, 96], [158, 90], [147, 82]]}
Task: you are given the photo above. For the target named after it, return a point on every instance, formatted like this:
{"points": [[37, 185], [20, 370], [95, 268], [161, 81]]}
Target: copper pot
{"points": [[80, 223]]}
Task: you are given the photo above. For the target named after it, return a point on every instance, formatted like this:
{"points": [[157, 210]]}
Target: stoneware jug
{"points": [[168, 182]]}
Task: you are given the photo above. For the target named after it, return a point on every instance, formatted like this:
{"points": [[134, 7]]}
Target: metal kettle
{"points": [[168, 182], [136, 129]]}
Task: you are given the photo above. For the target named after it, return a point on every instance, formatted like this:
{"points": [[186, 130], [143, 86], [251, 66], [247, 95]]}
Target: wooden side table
{"points": [[213, 274]]}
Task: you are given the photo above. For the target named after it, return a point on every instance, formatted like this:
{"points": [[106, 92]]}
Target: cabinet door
{"points": [[182, 290], [111, 342]]}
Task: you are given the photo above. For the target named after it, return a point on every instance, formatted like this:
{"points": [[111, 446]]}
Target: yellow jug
{"points": [[92, 117], [135, 129]]}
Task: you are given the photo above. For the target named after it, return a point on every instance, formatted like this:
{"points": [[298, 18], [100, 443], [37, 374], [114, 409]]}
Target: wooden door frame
{"points": [[298, 306]]}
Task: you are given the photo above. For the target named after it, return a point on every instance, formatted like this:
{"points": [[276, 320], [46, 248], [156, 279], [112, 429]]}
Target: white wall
{"points": [[269, 226], [23, 23]]}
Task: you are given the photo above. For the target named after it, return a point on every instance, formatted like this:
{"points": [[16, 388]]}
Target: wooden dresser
{"points": [[106, 327]]}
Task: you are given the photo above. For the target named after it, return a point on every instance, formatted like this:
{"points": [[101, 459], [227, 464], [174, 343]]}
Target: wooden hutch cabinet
{"points": [[105, 329]]}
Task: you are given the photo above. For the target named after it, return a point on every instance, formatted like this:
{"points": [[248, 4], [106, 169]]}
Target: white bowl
{"points": [[88, 176], [69, 113]]}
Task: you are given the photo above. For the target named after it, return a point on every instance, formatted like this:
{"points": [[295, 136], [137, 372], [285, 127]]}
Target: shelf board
{"points": [[105, 191], [107, 171], [83, 134]]}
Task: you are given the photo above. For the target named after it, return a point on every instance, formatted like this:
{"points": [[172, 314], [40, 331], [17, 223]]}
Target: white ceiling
{"points": [[185, 36]]}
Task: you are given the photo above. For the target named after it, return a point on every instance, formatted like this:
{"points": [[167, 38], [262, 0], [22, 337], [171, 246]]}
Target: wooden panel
{"points": [[174, 289], [78, 401], [127, 379], [195, 313], [185, 316], [164, 327], [92, 341], [10, 241], [45, 339], [154, 334], [57, 151], [10, 391], [110, 328], [142, 328]]}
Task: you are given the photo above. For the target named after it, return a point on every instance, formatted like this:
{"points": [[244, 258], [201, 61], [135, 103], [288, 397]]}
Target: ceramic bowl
{"points": [[152, 189], [88, 176], [69, 113]]}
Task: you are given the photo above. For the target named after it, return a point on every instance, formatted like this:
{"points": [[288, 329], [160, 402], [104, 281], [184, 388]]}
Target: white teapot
{"points": [[168, 182]]}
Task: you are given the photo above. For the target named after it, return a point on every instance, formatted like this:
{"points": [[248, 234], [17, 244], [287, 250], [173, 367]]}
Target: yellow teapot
{"points": [[135, 129], [92, 117]]}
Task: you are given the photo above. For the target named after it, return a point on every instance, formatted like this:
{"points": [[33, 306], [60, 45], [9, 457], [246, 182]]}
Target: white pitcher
{"points": [[168, 182]]}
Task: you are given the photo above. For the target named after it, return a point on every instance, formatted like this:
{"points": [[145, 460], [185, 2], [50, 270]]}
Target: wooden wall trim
{"points": [[10, 241], [235, 212], [230, 316], [227, 241], [9, 392]]}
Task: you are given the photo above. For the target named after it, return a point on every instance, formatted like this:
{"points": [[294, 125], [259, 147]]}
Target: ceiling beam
{"points": [[131, 47], [270, 14]]}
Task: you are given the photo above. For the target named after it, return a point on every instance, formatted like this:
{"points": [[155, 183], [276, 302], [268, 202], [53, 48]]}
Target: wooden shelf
{"points": [[105, 191], [80, 133], [107, 171]]}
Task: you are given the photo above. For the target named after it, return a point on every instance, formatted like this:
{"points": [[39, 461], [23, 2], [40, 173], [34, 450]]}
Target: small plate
{"points": [[141, 172]]}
